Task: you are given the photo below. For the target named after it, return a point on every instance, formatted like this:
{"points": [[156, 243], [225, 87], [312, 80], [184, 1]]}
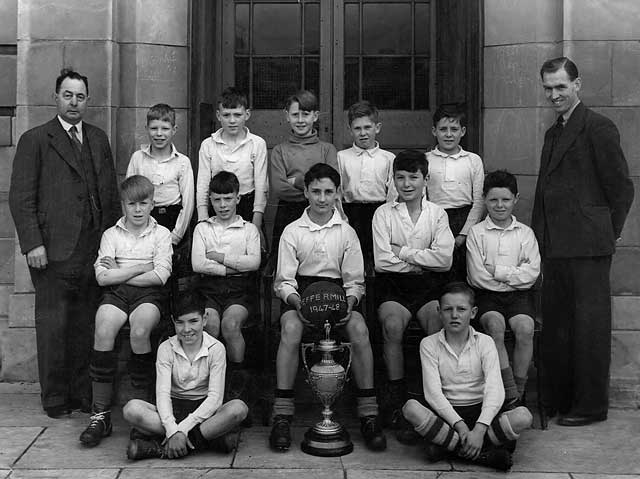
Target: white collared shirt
{"points": [[172, 179], [512, 250], [426, 245], [67, 126], [308, 249], [153, 245], [180, 378], [238, 241], [461, 380], [456, 181], [367, 175], [247, 160]]}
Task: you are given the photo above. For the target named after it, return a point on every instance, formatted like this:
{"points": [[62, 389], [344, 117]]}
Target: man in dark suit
{"points": [[582, 199], [63, 196]]}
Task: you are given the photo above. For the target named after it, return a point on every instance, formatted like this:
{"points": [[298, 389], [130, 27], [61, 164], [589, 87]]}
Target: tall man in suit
{"points": [[582, 199], [63, 196]]}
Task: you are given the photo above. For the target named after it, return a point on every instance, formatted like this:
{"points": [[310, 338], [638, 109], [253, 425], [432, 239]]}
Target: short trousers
{"points": [[360, 217], [412, 291], [167, 215], [508, 304], [127, 298], [220, 292]]}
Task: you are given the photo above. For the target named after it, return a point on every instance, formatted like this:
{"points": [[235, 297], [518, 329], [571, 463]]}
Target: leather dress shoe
{"points": [[82, 404], [57, 411], [579, 420]]}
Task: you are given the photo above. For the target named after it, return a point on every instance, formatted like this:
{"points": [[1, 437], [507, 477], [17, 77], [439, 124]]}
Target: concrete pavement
{"points": [[35, 446]]}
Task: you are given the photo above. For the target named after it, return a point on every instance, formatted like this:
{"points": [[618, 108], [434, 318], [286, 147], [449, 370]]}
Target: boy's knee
{"points": [[412, 411], [139, 333], [393, 328], [493, 324], [520, 418], [238, 410], [131, 410], [231, 326], [357, 329], [290, 328], [523, 327]]}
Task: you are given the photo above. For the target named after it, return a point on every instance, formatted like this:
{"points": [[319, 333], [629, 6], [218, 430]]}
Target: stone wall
{"points": [[602, 38]]}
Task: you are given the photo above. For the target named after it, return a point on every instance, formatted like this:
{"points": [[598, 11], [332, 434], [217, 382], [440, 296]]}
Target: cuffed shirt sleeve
{"points": [[493, 387]]}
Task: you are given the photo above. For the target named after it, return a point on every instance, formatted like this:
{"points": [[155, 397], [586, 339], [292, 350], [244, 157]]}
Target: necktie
{"points": [[557, 131], [73, 131]]}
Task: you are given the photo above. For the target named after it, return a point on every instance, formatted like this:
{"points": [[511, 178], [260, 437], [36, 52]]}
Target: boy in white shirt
{"points": [[321, 246], [234, 148], [168, 170], [366, 172], [226, 251], [133, 265], [503, 264], [462, 385], [189, 412], [412, 247]]}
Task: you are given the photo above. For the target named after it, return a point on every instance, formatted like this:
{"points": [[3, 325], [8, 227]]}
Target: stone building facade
{"points": [[137, 53]]}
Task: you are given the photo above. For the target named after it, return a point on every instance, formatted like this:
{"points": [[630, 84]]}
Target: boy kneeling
{"points": [[462, 384], [189, 414]]}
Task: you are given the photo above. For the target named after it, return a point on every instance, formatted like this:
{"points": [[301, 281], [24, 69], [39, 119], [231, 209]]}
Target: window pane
{"points": [[422, 84], [387, 82], [351, 29], [274, 79], [276, 29], [312, 28], [242, 28], [312, 75], [351, 81], [242, 74], [387, 29], [423, 28]]}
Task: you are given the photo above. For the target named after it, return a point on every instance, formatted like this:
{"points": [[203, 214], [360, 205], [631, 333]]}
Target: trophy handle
{"points": [[348, 347], [304, 347]]}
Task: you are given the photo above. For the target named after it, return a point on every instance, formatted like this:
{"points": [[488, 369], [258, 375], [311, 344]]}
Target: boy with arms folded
{"points": [[134, 263], [320, 245], [189, 413], [503, 263], [462, 385], [226, 248], [366, 172], [412, 247]]}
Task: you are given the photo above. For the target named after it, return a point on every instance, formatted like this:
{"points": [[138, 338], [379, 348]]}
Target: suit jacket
{"points": [[584, 191], [47, 185]]}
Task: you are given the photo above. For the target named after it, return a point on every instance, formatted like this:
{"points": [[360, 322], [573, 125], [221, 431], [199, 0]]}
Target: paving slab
{"points": [[511, 475], [65, 474], [14, 441], [608, 476], [24, 410], [609, 447], [165, 473], [390, 474], [276, 474], [4, 473], [254, 453]]}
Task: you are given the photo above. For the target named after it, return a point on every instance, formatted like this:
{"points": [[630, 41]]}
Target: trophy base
{"points": [[327, 442]]}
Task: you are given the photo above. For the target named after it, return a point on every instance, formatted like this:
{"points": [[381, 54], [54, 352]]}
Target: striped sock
{"points": [[283, 402], [367, 402], [501, 431], [510, 388], [436, 431]]}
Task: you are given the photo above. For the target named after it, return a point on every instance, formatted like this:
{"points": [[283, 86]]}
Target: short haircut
{"points": [[363, 109], [458, 287], [306, 100], [161, 112], [224, 182], [74, 75], [136, 188], [557, 64], [190, 301], [319, 171], [232, 97], [411, 161], [454, 111], [500, 179]]}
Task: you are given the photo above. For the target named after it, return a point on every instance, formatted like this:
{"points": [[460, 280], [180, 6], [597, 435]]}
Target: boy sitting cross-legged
{"points": [[503, 263], [189, 413], [134, 263], [226, 249], [412, 248], [462, 385], [320, 245]]}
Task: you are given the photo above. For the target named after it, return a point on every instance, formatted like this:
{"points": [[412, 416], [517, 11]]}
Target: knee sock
{"points": [[501, 431], [102, 370], [521, 384], [435, 430], [397, 392], [367, 402], [510, 389], [283, 403], [141, 369]]}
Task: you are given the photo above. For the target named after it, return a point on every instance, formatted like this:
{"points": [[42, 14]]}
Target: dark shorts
{"points": [[287, 212], [457, 219], [360, 217], [412, 291], [220, 292], [127, 298], [311, 334], [183, 407], [167, 215], [508, 304]]}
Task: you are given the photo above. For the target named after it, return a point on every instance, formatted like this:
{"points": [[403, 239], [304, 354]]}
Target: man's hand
{"points": [[396, 249], [37, 257], [108, 262], [351, 301], [460, 240], [177, 446]]}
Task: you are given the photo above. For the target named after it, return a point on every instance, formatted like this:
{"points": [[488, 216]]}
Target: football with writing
{"points": [[324, 301]]}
